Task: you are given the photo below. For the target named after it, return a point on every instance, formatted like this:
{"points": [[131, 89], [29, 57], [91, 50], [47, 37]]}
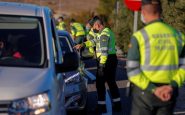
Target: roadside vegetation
{"points": [[120, 18]]}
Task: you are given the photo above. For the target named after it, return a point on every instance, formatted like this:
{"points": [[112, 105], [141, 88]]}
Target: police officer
{"points": [[106, 64], [77, 31], [90, 35], [156, 63], [61, 24]]}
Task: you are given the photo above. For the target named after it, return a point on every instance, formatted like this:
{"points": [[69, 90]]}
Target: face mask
{"points": [[95, 30], [143, 19], [88, 29]]}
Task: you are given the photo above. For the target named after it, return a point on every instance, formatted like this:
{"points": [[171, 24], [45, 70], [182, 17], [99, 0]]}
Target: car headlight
{"points": [[75, 78], [33, 105], [38, 101]]}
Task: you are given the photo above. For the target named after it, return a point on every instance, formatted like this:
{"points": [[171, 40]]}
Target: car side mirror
{"points": [[71, 62]]}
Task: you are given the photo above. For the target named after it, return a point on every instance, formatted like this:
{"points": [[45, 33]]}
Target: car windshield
{"points": [[65, 45], [21, 41]]}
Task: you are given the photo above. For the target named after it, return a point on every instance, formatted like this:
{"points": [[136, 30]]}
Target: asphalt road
{"points": [[121, 79]]}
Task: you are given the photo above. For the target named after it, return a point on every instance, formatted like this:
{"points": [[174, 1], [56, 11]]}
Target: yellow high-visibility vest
{"points": [[77, 29], [160, 47], [61, 26]]}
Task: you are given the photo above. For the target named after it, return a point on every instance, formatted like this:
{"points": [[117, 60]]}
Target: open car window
{"points": [[65, 45], [21, 41]]}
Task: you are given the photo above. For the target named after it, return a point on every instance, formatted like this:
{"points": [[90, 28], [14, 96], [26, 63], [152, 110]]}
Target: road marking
{"points": [[120, 84], [108, 104], [179, 113]]}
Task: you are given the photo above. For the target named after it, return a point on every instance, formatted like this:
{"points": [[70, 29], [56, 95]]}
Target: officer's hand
{"points": [[157, 92], [78, 46], [101, 70], [164, 92], [167, 92]]}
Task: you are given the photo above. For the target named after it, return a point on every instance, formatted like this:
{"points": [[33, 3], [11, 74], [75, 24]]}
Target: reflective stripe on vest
{"points": [[132, 64], [152, 68], [182, 67], [134, 72], [99, 50], [147, 46], [156, 68], [182, 61]]}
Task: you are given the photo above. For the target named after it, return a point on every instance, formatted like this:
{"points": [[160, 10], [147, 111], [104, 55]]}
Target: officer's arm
{"points": [[90, 43], [73, 31], [134, 72], [179, 78], [90, 37], [104, 40], [64, 25]]}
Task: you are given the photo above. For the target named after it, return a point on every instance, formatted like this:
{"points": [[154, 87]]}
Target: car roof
{"points": [[65, 33], [12, 8]]}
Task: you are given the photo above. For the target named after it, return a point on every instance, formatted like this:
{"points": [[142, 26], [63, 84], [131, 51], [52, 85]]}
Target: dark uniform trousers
{"points": [[109, 74], [146, 103]]}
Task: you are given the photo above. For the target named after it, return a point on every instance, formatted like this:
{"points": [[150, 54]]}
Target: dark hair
{"points": [[72, 20], [97, 18], [61, 18], [154, 6], [154, 2], [90, 22]]}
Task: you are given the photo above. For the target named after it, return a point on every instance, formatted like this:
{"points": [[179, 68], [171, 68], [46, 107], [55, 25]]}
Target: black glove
{"points": [[101, 70]]}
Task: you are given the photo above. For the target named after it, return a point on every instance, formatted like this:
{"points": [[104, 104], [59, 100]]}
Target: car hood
{"points": [[16, 83]]}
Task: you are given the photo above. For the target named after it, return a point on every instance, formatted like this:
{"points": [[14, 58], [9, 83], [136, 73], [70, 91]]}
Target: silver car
{"points": [[31, 62], [76, 81]]}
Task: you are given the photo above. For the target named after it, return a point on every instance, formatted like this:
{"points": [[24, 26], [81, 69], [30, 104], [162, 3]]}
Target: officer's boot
{"points": [[99, 109], [102, 108], [116, 107]]}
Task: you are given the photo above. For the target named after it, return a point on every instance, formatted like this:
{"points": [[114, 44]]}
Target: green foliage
{"points": [[106, 7], [174, 13]]}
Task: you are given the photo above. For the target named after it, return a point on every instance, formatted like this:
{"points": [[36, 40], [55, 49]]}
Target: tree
{"points": [[174, 13], [106, 7]]}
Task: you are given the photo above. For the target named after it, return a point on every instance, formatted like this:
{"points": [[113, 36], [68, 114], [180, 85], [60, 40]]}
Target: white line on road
{"points": [[179, 113]]}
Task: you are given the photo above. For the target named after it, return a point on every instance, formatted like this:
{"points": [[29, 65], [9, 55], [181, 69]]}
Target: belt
{"points": [[160, 84]]}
